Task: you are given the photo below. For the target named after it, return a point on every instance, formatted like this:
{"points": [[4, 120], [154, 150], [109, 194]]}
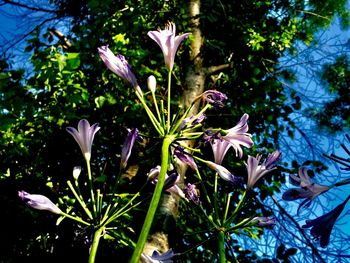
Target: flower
{"points": [[191, 121], [168, 42], [39, 202], [128, 145], [185, 157], [308, 190], [158, 258], [322, 226], [84, 136], [119, 66], [238, 136], [214, 97], [224, 173], [170, 184], [264, 221], [220, 148], [256, 170], [191, 193]]}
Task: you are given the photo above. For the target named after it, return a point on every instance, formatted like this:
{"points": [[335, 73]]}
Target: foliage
{"points": [[335, 113]]}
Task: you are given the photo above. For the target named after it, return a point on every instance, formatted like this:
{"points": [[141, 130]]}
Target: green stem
{"points": [[155, 200], [169, 100], [221, 247], [227, 207], [151, 116], [156, 107], [96, 240], [238, 207], [75, 218], [80, 200], [90, 185]]}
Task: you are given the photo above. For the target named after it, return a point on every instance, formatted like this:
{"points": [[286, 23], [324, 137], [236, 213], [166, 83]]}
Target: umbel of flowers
{"points": [[174, 126], [174, 130]]}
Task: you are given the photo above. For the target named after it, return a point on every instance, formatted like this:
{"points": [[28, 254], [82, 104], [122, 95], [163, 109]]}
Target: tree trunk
{"points": [[164, 228]]}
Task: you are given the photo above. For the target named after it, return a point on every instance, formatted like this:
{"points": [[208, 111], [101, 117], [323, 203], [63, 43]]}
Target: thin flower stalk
{"points": [[75, 218], [228, 201], [88, 165], [80, 200], [169, 101], [151, 81], [238, 207], [153, 119]]}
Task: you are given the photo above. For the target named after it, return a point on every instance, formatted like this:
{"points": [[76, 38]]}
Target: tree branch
{"points": [[313, 248], [38, 9], [213, 69]]}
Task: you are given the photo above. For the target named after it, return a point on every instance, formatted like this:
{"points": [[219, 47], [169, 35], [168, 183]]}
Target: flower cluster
{"points": [[179, 134]]}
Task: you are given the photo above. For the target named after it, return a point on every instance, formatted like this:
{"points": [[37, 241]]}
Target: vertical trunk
{"points": [[195, 77], [164, 227]]}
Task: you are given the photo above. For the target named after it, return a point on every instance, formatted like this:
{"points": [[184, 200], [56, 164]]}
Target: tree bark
{"points": [[164, 229]]}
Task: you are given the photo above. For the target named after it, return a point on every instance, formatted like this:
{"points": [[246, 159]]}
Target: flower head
{"points": [[191, 121], [322, 226], [256, 170], [185, 157], [308, 190], [238, 136], [118, 65], [224, 173], [128, 145], [156, 257], [170, 184], [264, 221], [168, 42], [84, 136], [39, 202], [191, 193], [214, 97], [220, 148]]}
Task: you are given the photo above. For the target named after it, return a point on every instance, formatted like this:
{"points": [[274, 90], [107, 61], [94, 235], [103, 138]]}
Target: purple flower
{"points": [[84, 136], [220, 148], [256, 170], [238, 136], [185, 157], [214, 97], [170, 184], [308, 190], [322, 226], [168, 42], [39, 202], [156, 257], [264, 221], [191, 121], [224, 173], [119, 66], [128, 145], [191, 193]]}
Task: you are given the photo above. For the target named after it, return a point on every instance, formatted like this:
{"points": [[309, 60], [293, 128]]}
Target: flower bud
{"points": [[76, 172], [152, 83]]}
